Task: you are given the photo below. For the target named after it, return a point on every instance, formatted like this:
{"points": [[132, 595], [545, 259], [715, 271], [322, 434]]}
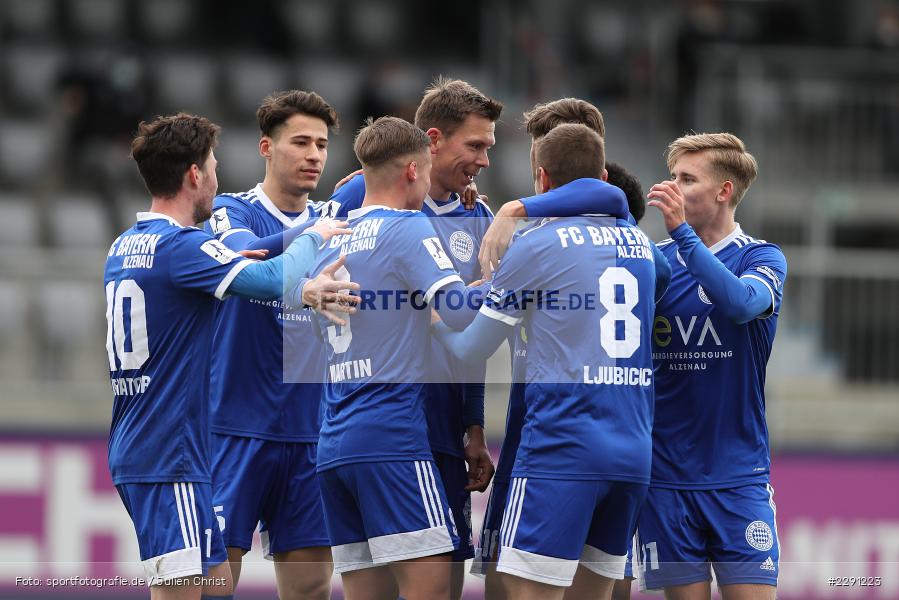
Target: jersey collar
{"points": [[720, 244], [442, 209], [152, 216], [276, 212]]}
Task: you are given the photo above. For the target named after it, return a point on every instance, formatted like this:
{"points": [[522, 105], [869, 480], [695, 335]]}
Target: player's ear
{"points": [[605, 175], [726, 192], [412, 172], [265, 146], [544, 183], [436, 138], [193, 175]]}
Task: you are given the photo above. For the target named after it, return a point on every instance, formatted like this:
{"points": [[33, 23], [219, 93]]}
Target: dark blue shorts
{"points": [[682, 534], [550, 526], [272, 484], [454, 474], [378, 513], [177, 531]]}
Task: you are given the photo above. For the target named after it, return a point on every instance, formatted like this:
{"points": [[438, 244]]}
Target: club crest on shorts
{"points": [[461, 245], [759, 536]]}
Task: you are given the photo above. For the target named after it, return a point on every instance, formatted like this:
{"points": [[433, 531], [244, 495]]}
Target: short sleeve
{"points": [[426, 266], [204, 264], [349, 197], [515, 284], [766, 263], [230, 216]]}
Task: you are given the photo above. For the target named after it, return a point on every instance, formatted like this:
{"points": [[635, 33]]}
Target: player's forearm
{"points": [[276, 243], [476, 343], [580, 197], [663, 271], [279, 276], [458, 305], [741, 300], [473, 405]]}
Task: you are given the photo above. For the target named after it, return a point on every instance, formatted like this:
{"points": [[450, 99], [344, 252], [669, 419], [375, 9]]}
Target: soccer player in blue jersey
{"points": [[162, 278], [710, 503], [265, 420], [385, 505], [602, 198], [460, 122], [582, 467]]}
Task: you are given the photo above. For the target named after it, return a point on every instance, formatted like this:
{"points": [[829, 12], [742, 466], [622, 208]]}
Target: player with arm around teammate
{"points": [[585, 444], [162, 279]]}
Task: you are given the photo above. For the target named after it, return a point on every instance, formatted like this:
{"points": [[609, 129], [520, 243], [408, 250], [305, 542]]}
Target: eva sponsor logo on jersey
{"points": [[219, 251], [219, 221], [435, 249]]}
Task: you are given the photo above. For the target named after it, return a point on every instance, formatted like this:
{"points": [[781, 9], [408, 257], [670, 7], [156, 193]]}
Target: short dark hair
{"points": [[280, 106], [166, 147], [543, 118], [447, 102], [386, 138], [621, 178], [571, 151]]}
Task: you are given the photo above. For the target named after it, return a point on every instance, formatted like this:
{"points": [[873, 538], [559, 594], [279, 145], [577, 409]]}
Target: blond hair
{"points": [[727, 155]]}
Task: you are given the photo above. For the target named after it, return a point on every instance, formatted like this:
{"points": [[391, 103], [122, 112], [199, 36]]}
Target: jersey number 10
{"points": [[116, 333]]}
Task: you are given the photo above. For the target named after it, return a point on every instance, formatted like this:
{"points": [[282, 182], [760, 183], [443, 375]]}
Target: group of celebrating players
{"points": [[337, 402]]}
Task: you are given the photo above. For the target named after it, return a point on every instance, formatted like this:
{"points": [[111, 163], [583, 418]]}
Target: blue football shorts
{"points": [[177, 530], [382, 512], [682, 534], [272, 484]]}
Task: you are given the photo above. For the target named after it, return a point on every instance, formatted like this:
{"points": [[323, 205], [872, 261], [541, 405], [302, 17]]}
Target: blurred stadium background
{"points": [[812, 86]]}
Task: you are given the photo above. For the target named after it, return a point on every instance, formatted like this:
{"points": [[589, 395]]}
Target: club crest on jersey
{"points": [[436, 251], [219, 221], [461, 245], [219, 251], [702, 295], [759, 536]]}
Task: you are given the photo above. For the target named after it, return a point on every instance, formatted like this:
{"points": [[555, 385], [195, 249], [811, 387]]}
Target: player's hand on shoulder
{"points": [[328, 228], [668, 198], [496, 240], [343, 181], [328, 295], [470, 196]]}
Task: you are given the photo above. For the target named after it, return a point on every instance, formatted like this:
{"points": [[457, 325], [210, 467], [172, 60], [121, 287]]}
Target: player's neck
{"points": [[177, 208], [384, 197], [283, 199], [714, 232], [438, 192]]}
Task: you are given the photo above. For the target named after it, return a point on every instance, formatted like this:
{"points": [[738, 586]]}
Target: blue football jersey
{"points": [[267, 362], [162, 281], [710, 429], [460, 232], [583, 287], [377, 364]]}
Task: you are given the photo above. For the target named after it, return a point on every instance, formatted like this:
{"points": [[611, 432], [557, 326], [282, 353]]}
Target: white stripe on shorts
{"points": [[187, 515], [505, 523], [193, 510], [441, 518], [424, 499], [513, 510], [181, 515]]}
